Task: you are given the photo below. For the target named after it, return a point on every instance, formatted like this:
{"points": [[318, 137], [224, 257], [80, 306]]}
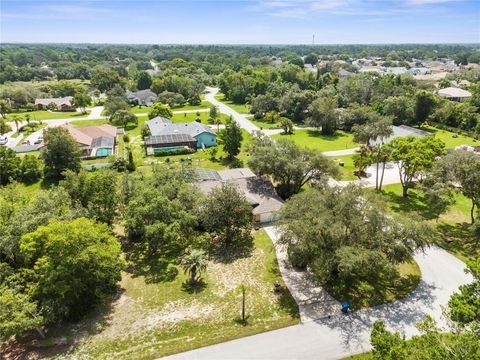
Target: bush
{"points": [[126, 138], [174, 152]]}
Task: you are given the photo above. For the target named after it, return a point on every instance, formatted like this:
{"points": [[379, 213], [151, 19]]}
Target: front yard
{"points": [[312, 139], [240, 108], [152, 319], [45, 115]]}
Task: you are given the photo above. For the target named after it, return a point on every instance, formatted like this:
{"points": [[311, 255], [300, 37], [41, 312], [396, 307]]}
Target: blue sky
{"points": [[241, 22]]}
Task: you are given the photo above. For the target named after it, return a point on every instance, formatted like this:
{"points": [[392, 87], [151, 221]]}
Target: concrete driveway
{"points": [[323, 337]]}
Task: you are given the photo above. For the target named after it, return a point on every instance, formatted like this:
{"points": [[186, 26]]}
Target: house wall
{"points": [[207, 139]]}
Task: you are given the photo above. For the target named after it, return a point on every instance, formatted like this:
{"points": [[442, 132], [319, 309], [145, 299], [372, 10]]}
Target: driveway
{"points": [[323, 337], [241, 120]]}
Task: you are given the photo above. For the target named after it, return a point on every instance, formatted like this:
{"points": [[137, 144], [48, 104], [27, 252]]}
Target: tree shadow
{"points": [[411, 204], [458, 238], [317, 134], [240, 321], [195, 288]]}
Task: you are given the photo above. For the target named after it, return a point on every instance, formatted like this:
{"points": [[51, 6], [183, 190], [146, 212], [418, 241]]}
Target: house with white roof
{"points": [[455, 94]]}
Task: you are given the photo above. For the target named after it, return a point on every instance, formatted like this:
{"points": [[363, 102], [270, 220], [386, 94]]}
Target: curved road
{"points": [[333, 335]]}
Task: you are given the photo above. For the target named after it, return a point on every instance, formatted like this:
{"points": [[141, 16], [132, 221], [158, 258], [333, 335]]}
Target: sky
{"points": [[240, 22]]}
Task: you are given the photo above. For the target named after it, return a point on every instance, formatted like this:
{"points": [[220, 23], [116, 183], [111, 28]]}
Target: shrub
{"points": [[174, 152]]}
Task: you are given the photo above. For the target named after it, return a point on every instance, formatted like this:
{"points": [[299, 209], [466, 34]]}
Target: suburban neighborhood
{"points": [[195, 201]]}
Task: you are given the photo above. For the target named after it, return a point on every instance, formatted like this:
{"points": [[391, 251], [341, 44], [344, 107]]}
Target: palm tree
{"points": [[194, 263]]}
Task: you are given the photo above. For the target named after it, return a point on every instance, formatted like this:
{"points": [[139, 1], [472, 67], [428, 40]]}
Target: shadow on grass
{"points": [[383, 289], [458, 239], [317, 134], [411, 204], [195, 288], [240, 321]]}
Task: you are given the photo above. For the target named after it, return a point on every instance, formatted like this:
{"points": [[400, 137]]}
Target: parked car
{"points": [[38, 141], [3, 140], [26, 142]]}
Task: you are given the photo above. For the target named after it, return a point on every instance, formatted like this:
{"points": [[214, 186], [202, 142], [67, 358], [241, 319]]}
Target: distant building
{"points": [[345, 73], [142, 97], [166, 134], [455, 94], [59, 104], [94, 141]]}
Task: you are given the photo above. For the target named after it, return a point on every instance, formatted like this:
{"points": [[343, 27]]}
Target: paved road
{"points": [[241, 120], [343, 335]]}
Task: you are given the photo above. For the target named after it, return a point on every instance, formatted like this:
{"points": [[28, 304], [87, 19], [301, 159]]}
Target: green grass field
{"points": [[264, 124], [451, 142], [153, 319], [45, 115], [203, 116], [146, 109], [240, 108], [348, 168], [314, 140], [89, 122]]}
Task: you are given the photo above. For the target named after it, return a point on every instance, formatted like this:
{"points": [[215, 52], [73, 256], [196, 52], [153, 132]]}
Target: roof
{"points": [[85, 135], [103, 142], [162, 126], [207, 174], [452, 92], [258, 191], [67, 100], [142, 95], [345, 73], [169, 139], [232, 174], [403, 131]]}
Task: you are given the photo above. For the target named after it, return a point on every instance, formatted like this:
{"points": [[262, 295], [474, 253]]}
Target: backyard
{"points": [[152, 319], [313, 139]]}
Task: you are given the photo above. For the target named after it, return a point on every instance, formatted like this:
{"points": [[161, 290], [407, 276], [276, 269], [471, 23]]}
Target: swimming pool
{"points": [[173, 148]]}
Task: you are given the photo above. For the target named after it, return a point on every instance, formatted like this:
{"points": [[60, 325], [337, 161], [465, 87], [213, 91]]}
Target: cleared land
{"points": [[45, 115], [152, 319], [240, 108], [314, 140]]}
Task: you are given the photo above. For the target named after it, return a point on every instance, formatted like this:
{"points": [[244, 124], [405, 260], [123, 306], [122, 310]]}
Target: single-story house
{"points": [[94, 141], [455, 94], [61, 104], [160, 127], [258, 191], [142, 97], [402, 131]]}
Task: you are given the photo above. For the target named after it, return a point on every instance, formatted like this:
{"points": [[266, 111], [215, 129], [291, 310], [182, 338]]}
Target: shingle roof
{"points": [[86, 134], [168, 139], [142, 95], [454, 92], [57, 101]]}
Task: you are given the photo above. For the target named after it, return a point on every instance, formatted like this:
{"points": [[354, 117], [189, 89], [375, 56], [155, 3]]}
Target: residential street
{"points": [[321, 337]]}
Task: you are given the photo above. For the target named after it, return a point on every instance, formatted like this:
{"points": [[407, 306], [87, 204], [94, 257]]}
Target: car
{"points": [[26, 142], [3, 140], [38, 141]]}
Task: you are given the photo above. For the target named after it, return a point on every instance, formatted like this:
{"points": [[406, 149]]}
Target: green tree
{"points": [[289, 166], [462, 167], [194, 263], [4, 127], [362, 160], [115, 104], [231, 138], [311, 59], [5, 108], [81, 100], [123, 118], [415, 156], [60, 153], [401, 108], [9, 165], [227, 216], [144, 80], [380, 155], [324, 115], [104, 78], [378, 130], [347, 235], [77, 264], [424, 105], [159, 109], [31, 169], [286, 125], [438, 196], [18, 313]]}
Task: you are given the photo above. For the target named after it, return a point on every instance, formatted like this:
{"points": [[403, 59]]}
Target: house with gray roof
{"points": [[258, 191], [166, 134], [142, 97]]}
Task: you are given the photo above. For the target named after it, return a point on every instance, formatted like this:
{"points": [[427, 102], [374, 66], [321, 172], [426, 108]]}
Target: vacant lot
{"points": [[152, 319], [449, 140], [314, 140], [45, 115]]}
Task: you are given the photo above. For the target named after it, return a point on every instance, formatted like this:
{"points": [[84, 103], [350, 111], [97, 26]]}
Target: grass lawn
{"points": [[452, 225], [314, 140], [348, 168], [263, 123], [240, 108], [26, 130], [46, 115], [153, 319], [89, 122], [362, 294], [145, 109], [451, 142], [189, 117]]}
